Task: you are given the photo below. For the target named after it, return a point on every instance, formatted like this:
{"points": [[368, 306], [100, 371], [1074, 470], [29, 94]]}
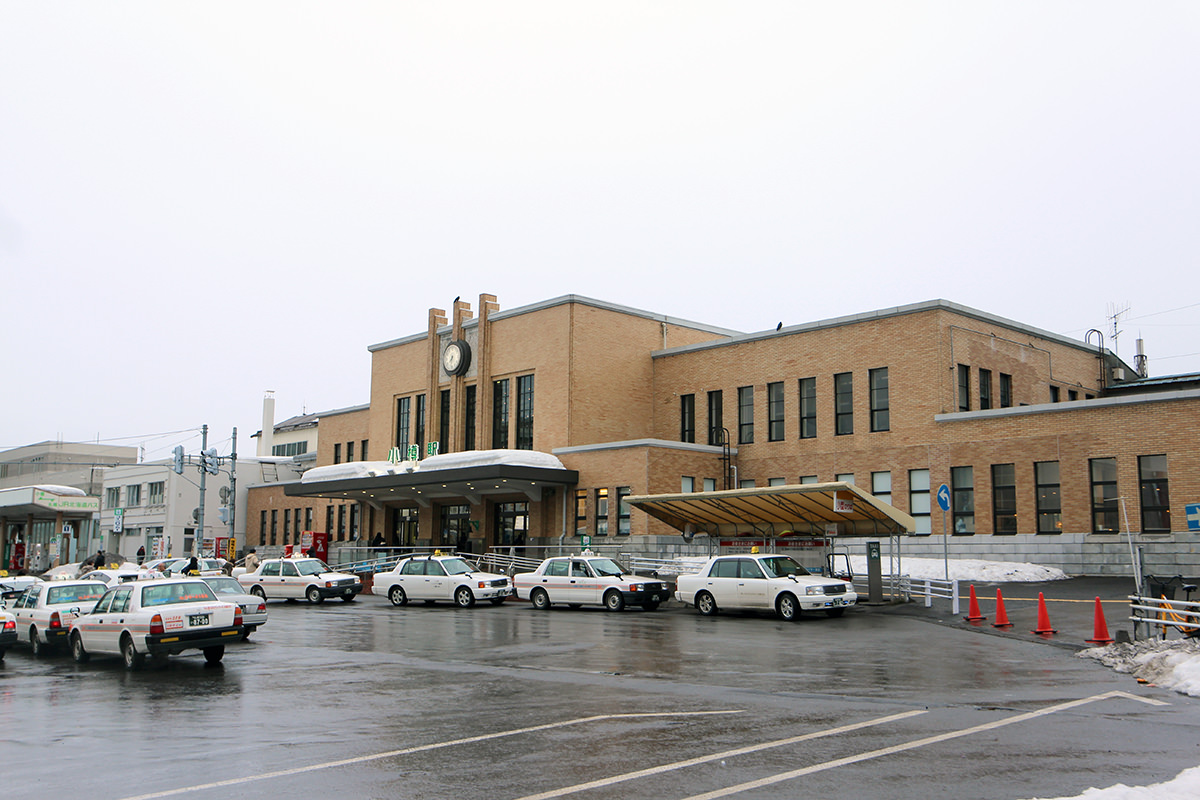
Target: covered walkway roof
{"points": [[811, 509]]}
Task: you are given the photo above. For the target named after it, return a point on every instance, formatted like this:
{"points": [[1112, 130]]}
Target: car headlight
{"points": [[815, 590], [633, 587]]}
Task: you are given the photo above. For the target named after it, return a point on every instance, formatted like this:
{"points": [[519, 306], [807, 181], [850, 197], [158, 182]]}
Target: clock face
{"points": [[456, 358]]}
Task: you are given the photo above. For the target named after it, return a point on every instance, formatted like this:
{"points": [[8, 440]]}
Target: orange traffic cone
{"points": [[1100, 635], [1043, 622], [1001, 614], [973, 614]]}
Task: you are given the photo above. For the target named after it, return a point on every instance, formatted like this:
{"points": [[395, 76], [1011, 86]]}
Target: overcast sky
{"points": [[203, 201]]}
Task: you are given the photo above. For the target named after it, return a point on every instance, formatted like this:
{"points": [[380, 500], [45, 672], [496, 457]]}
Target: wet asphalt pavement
{"points": [[363, 700]]}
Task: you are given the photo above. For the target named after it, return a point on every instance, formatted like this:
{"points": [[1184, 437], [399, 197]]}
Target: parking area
{"points": [[369, 700]]}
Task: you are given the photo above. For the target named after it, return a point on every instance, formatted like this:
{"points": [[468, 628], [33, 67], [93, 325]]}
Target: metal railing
{"points": [[1182, 616], [902, 588]]}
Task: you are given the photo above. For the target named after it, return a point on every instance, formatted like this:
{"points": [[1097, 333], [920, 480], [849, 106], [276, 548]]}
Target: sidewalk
{"points": [[1070, 607]]}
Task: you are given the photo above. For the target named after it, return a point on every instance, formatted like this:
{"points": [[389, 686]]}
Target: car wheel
{"points": [[348, 598], [1, 653], [133, 659], [540, 600], [158, 661], [259, 591], [705, 604], [80, 655], [613, 601], [313, 595], [397, 596], [788, 607], [651, 606], [214, 654], [35, 643], [835, 612], [464, 597], [497, 601]]}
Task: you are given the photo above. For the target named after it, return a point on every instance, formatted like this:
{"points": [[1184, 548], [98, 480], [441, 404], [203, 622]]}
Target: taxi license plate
{"points": [[653, 598], [347, 591], [197, 619]]}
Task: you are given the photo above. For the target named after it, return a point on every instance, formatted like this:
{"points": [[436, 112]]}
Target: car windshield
{"points": [[781, 567], [606, 567], [225, 586], [456, 566], [171, 593], [78, 593], [311, 566]]}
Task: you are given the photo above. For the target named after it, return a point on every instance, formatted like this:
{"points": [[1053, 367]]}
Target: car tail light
{"points": [[10, 624], [237, 617], [55, 621], [262, 608], [156, 625]]}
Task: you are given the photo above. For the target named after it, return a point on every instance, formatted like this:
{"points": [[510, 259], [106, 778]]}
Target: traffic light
{"points": [[223, 514], [178, 466], [210, 462]]}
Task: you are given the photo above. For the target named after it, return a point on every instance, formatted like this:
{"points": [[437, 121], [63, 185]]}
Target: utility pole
{"points": [[199, 537], [233, 493]]}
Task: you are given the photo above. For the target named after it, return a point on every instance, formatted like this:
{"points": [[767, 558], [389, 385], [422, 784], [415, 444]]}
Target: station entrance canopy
{"points": [[46, 503], [826, 510], [469, 475]]}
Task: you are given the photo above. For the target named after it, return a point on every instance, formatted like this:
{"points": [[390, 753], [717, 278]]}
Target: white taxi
{"points": [[295, 578], [8, 631], [763, 581], [588, 579], [44, 611], [439, 577], [156, 618]]}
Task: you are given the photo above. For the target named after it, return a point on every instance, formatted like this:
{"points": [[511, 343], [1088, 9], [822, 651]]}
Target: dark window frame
{"points": [[1154, 493], [843, 404], [687, 418], [1102, 475], [808, 408], [745, 415], [962, 500], [716, 417], [1004, 499], [880, 400], [775, 412], [1047, 479]]}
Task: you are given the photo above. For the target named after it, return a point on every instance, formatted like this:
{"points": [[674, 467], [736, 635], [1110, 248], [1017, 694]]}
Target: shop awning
{"points": [[811, 509]]}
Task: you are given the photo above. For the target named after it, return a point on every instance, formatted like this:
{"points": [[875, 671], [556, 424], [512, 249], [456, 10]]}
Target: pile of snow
{"points": [[1185, 786], [465, 460], [968, 569], [1171, 664]]}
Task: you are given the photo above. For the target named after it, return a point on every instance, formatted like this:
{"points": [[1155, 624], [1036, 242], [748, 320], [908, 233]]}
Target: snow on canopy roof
{"points": [[67, 491], [464, 460]]}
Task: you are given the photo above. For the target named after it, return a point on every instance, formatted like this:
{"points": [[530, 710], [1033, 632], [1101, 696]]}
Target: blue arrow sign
{"points": [[943, 495], [1193, 516]]}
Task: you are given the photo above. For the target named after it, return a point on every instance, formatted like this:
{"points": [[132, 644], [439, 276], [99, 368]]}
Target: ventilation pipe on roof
{"points": [[266, 440], [1139, 361]]}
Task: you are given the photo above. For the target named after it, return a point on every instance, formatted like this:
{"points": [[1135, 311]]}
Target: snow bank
{"points": [[968, 569], [1172, 664], [1185, 786]]}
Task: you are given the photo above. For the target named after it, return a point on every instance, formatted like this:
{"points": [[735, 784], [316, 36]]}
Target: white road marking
{"points": [[420, 749], [715, 756], [928, 740]]}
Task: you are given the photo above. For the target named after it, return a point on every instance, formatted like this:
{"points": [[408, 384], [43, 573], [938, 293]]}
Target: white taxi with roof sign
{"points": [[440, 577], [295, 578], [763, 581], [588, 579]]}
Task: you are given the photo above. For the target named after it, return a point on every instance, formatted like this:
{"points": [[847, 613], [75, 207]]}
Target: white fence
{"points": [[1162, 616]]}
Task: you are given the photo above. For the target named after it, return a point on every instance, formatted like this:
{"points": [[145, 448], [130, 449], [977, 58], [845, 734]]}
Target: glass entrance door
{"points": [[512, 525]]}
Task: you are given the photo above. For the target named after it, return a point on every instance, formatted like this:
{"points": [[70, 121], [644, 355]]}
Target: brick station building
{"points": [[1047, 444]]}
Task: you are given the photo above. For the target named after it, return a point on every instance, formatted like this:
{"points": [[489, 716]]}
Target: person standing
{"points": [[141, 554], [252, 561], [98, 561]]}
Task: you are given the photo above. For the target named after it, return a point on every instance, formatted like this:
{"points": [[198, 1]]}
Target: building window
{"points": [[1156, 502], [1004, 499], [985, 388], [964, 387], [746, 415], [420, 433], [469, 420], [157, 493], [809, 479], [349, 451], [881, 486], [133, 495], [687, 418], [880, 416], [716, 418], [845, 477], [1054, 394], [337, 453], [687, 484], [274, 526], [1072, 394], [355, 521], [329, 521], [525, 412], [808, 408], [602, 512], [402, 412], [709, 484], [308, 519], [112, 497], [500, 414], [1006, 394], [341, 523], [843, 404], [776, 481], [262, 526], [581, 512], [624, 511], [918, 500], [362, 451], [775, 412], [290, 449], [444, 421], [962, 488], [1104, 495], [1049, 497], [748, 483], [287, 524]]}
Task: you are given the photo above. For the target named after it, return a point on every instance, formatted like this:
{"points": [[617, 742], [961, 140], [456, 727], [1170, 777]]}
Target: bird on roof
{"points": [[780, 325], [456, 297]]}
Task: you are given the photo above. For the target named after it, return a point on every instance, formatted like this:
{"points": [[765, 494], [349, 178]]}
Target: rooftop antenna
{"points": [[1114, 319], [1139, 361]]}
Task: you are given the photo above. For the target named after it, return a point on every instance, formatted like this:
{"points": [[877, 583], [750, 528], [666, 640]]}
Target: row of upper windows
{"points": [[337, 452], [603, 512], [156, 495], [411, 414], [985, 399], [843, 409], [1152, 491], [293, 449]]}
